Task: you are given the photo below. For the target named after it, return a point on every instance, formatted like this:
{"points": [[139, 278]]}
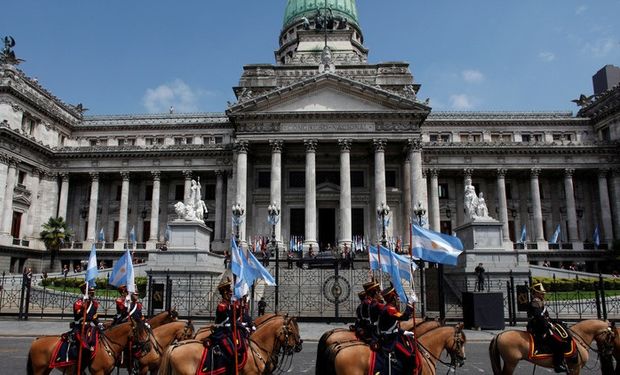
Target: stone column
{"points": [[415, 159], [35, 182], [310, 232], [380, 193], [434, 199], [276, 182], [615, 198], [346, 234], [407, 195], [7, 213], [188, 185], [91, 232], [571, 209], [122, 216], [536, 205], [64, 196], [603, 194], [242, 179], [460, 203], [503, 206], [219, 204], [154, 232], [424, 195]]}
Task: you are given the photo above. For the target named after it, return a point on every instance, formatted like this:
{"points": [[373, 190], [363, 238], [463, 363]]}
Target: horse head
{"points": [[187, 333], [173, 314], [141, 334], [605, 341], [289, 337], [456, 346]]}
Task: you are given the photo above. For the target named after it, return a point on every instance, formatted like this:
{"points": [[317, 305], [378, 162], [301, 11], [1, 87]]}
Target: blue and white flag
{"points": [[91, 269], [255, 268], [167, 233], [101, 236], [596, 237], [123, 273], [237, 263], [555, 236], [435, 247], [132, 235], [523, 234], [383, 263]]}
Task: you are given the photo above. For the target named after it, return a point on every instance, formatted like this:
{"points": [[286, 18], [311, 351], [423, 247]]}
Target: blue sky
{"points": [[139, 56]]}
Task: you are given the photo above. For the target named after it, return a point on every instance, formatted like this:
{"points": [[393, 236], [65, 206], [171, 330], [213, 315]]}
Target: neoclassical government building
{"points": [[324, 134]]}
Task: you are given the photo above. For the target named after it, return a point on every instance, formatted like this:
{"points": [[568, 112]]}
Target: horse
{"points": [[112, 342], [206, 331], [163, 317], [514, 346], [276, 338], [354, 359], [343, 335], [159, 340]]}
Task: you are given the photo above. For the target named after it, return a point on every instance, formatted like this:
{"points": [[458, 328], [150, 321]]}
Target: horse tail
{"points": [[496, 362], [322, 367], [29, 367], [165, 366]]}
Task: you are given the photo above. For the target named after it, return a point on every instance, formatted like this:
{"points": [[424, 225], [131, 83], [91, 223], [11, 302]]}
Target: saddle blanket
{"points": [[542, 350], [216, 359], [66, 353]]}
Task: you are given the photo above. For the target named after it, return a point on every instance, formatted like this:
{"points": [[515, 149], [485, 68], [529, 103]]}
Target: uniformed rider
{"points": [[222, 335], [121, 306], [539, 325], [389, 328], [368, 312], [85, 310], [134, 311]]}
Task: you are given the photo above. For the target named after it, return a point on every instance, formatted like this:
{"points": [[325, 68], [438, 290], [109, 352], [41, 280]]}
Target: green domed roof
{"points": [[295, 9]]}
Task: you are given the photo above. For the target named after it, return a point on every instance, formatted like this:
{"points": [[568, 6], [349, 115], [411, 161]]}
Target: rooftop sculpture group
{"points": [[194, 209], [475, 206]]}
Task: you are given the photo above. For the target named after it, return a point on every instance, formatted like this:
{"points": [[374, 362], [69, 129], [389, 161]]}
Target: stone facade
{"points": [[327, 148]]}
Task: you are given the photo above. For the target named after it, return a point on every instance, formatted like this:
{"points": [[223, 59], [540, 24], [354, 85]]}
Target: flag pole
{"points": [[415, 337], [380, 269], [234, 307], [80, 343]]}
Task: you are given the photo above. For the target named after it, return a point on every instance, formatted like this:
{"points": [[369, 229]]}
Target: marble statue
{"points": [[327, 64], [471, 200], [195, 208], [481, 209]]}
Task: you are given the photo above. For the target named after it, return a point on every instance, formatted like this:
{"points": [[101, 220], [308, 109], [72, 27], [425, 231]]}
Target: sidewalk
{"points": [[11, 327]]}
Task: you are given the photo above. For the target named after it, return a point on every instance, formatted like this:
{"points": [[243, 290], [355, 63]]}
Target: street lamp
{"points": [[419, 211], [383, 210], [237, 211], [273, 217]]}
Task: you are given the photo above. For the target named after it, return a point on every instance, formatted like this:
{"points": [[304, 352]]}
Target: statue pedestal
{"points": [[188, 250]]}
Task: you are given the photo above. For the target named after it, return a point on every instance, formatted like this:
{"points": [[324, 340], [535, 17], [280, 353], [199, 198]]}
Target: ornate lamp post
{"points": [[273, 217], [383, 210], [420, 211], [237, 211]]}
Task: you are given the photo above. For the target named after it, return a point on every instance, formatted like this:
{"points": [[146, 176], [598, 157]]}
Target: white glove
{"points": [[408, 333], [100, 326], [413, 298]]}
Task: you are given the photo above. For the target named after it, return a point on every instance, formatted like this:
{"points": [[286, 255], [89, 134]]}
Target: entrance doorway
{"points": [[327, 227]]}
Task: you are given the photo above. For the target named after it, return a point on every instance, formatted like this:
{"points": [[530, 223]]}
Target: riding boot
{"points": [[558, 362]]}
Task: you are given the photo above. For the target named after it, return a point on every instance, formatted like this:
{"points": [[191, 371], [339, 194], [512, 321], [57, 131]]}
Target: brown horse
{"points": [[163, 317], [343, 335], [514, 346], [111, 344], [205, 332], [276, 335], [355, 359], [162, 337]]}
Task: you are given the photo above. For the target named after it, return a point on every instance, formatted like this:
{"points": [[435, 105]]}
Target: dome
{"points": [[295, 9]]}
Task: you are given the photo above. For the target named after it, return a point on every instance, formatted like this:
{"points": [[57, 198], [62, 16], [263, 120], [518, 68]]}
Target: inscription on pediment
{"points": [[326, 127]]}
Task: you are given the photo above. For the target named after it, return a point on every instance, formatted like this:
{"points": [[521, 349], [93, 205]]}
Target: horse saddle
{"points": [[66, 352], [558, 336], [217, 357], [401, 356]]}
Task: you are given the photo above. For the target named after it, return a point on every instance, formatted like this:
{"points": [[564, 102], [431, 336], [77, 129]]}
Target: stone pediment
{"points": [[326, 93], [327, 187]]}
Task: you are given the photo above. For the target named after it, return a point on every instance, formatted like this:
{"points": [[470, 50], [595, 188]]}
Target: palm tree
{"points": [[54, 234]]}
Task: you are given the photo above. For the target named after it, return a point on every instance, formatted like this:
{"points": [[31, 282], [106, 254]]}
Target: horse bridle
{"points": [[456, 358], [609, 339], [285, 349]]}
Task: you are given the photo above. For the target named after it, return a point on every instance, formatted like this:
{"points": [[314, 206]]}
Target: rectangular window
{"points": [[508, 191], [526, 138], [443, 191], [568, 137], [537, 137], [21, 177], [159, 141], [121, 142], [189, 140], [557, 137], [357, 179], [297, 179], [390, 179], [433, 137], [148, 193], [219, 140], [445, 227], [92, 142], [119, 192], [208, 140], [475, 137], [179, 193], [210, 192], [332, 177], [264, 180], [130, 142], [148, 141], [115, 233], [297, 222], [605, 134], [445, 137], [178, 140], [357, 221]]}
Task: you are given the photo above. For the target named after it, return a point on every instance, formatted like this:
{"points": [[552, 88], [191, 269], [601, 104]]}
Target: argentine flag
{"points": [[596, 237], [91, 269], [101, 236], [523, 234], [123, 273], [435, 247], [257, 271], [555, 236], [132, 236], [237, 263], [403, 263]]}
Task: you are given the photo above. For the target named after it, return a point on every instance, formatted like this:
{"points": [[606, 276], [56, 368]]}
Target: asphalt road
{"points": [[14, 353]]}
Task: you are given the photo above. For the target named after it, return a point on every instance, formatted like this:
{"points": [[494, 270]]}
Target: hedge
{"points": [[102, 283], [571, 285]]}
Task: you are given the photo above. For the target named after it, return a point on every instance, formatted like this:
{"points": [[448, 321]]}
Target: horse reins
{"points": [[274, 360], [458, 342]]}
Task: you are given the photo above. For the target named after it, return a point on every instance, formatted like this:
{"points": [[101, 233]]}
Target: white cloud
{"points": [[472, 76], [581, 9], [601, 47], [177, 94], [546, 56], [461, 102]]}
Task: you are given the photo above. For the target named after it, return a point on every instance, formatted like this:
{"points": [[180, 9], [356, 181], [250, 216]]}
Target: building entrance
{"points": [[327, 227]]}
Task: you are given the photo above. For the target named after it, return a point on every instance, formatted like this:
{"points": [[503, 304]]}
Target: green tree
{"points": [[55, 234]]}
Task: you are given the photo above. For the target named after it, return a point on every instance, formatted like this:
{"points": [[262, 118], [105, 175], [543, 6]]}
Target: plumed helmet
{"points": [[224, 286], [122, 289], [370, 286], [389, 293], [362, 294], [538, 288]]}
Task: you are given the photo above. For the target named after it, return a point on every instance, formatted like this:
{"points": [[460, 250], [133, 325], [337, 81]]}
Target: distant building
{"points": [[324, 134], [606, 78]]}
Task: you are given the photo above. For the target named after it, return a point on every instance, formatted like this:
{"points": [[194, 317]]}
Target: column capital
{"points": [[187, 174], [345, 144], [568, 172], [468, 172], [94, 176], [37, 172], [535, 172], [64, 176], [219, 173], [242, 146], [379, 144], [311, 144], [156, 175], [49, 175], [425, 173], [414, 144], [125, 175], [602, 172], [501, 172], [434, 172], [13, 162], [276, 145]]}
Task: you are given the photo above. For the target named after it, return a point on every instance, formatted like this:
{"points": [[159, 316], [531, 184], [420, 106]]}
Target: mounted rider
{"points": [[138, 349], [542, 328], [393, 341], [244, 320], [121, 306], [368, 312], [85, 313]]}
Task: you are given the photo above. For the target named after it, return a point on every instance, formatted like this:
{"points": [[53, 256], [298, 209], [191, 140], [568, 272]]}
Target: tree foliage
{"points": [[55, 234]]}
